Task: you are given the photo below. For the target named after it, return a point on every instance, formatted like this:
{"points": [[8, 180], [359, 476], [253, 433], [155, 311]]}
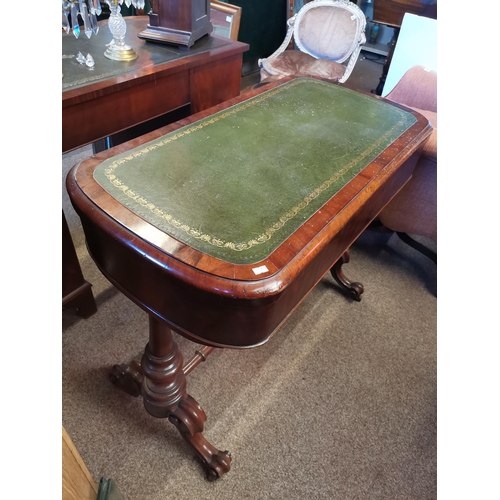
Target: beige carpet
{"points": [[339, 404]]}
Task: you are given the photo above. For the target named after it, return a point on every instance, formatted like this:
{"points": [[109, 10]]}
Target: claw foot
{"points": [[220, 464], [353, 288], [189, 418]]}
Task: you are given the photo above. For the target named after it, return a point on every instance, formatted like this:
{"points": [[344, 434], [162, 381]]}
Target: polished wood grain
{"points": [[164, 394], [179, 22], [353, 288], [391, 12], [246, 310], [214, 302], [107, 106]]}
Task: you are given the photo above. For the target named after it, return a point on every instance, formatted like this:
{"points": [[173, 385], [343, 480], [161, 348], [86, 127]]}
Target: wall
{"points": [[385, 34], [262, 26]]}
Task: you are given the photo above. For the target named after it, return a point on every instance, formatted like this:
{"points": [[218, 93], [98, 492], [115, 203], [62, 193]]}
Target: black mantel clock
{"points": [[178, 22]]}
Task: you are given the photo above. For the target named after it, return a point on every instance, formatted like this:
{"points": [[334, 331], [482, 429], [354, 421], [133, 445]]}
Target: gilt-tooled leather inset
{"points": [[238, 183]]}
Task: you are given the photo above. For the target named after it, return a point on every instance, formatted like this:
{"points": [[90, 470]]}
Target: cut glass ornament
{"points": [[93, 24], [86, 20], [74, 20], [89, 61], [88, 10], [65, 21]]}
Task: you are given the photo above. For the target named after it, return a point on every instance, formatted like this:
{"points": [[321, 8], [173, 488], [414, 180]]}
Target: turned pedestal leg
{"points": [[162, 382], [353, 288]]}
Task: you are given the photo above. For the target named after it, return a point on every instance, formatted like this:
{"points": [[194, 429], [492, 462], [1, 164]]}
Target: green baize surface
{"points": [[237, 184]]}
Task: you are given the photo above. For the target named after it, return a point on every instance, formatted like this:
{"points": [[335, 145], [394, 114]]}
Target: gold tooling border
{"points": [[267, 235]]}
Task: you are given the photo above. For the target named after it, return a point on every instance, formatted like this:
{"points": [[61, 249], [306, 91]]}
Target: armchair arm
{"points": [[353, 58], [417, 89]]}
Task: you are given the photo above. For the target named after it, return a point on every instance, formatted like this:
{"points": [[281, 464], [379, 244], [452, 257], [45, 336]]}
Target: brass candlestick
{"points": [[118, 50]]}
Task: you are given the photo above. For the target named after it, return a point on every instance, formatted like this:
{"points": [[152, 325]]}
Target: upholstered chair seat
{"points": [[293, 62], [328, 35]]}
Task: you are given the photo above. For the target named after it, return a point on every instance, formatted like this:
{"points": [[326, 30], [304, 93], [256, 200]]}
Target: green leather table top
{"points": [[76, 75], [238, 183]]}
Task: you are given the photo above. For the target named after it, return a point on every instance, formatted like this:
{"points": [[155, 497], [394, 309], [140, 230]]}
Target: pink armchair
{"points": [[414, 209]]}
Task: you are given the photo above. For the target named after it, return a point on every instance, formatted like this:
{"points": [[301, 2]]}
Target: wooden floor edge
{"points": [[68, 469]]}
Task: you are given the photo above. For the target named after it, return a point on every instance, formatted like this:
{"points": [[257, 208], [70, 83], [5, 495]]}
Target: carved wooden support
{"points": [[189, 417], [199, 357], [161, 379], [353, 288], [128, 377]]}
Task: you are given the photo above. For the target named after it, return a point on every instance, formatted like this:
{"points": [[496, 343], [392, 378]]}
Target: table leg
{"points": [[162, 382], [353, 288]]}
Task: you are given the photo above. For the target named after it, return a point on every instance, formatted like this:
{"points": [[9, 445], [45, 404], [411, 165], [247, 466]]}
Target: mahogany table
{"points": [[116, 96], [219, 225]]}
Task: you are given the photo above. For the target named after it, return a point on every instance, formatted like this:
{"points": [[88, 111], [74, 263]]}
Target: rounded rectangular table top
{"points": [[240, 210], [233, 185]]}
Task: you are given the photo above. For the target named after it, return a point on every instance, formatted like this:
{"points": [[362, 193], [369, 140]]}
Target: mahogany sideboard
{"points": [[117, 96]]}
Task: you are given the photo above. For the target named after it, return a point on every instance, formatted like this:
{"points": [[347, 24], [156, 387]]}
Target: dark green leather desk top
{"points": [[76, 75], [238, 183]]}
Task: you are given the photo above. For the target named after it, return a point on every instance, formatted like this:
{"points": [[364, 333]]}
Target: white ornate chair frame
{"points": [[351, 55]]}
